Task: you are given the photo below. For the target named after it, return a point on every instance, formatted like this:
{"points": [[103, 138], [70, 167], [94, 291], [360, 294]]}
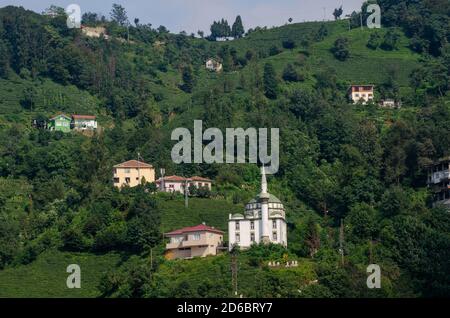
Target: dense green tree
{"points": [[374, 41], [119, 14], [340, 49], [390, 40], [237, 30], [270, 81], [290, 74], [337, 13], [188, 79]]}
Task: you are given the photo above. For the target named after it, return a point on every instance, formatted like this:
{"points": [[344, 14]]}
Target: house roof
{"points": [[60, 115], [196, 178], [133, 164], [182, 179], [172, 179], [83, 117], [197, 228]]}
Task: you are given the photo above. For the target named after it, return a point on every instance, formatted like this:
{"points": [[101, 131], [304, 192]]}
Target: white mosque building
{"points": [[264, 221]]}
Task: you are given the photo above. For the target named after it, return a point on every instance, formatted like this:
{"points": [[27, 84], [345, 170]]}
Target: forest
{"points": [[348, 173]]}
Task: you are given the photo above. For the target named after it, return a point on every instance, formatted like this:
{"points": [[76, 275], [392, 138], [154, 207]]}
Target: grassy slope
{"points": [[51, 99], [46, 277]]}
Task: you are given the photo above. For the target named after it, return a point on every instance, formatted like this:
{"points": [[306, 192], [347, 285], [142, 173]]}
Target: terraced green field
{"points": [[46, 277]]}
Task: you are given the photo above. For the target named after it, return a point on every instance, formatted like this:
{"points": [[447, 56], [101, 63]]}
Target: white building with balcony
{"points": [[439, 181], [194, 241], [264, 221]]}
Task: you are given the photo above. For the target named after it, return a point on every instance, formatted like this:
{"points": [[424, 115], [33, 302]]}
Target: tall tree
{"points": [[119, 15], [188, 79], [337, 13], [270, 81], [237, 30]]}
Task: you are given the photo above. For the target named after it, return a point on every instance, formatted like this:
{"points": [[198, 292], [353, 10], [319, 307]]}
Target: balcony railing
{"points": [[188, 243], [439, 176]]}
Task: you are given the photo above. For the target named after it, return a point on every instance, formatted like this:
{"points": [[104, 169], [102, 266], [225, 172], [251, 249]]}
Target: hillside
{"points": [[363, 166]]}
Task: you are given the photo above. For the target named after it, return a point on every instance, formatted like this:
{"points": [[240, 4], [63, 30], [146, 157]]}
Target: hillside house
{"points": [[177, 183], [60, 122], [195, 241], [94, 32], [439, 181], [361, 93], [390, 103], [84, 122], [213, 65], [132, 173]]}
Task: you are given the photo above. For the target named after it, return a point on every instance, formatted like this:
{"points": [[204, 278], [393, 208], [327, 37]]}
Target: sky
{"points": [[194, 15]]}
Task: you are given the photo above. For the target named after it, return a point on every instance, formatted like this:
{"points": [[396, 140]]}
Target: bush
{"points": [[340, 49], [274, 50], [289, 44], [290, 74], [111, 237]]}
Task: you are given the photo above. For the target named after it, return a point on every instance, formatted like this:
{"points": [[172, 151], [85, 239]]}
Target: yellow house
{"points": [[132, 173]]}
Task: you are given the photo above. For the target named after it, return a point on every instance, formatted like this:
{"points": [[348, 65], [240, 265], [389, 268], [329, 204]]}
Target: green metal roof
{"points": [[272, 199]]}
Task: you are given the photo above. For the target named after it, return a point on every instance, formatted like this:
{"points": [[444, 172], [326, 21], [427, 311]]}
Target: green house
{"points": [[60, 123]]}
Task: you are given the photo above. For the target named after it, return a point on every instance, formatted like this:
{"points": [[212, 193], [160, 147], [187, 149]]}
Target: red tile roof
{"points": [[133, 164], [197, 228], [83, 117], [172, 179]]}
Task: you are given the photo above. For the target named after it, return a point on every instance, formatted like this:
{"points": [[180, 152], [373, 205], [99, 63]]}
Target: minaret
{"points": [[264, 201]]}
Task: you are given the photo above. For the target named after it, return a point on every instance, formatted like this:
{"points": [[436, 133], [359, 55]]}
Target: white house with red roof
{"points": [[194, 241], [177, 183], [84, 122]]}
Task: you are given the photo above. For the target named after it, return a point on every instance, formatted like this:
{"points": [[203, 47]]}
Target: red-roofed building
{"points": [[177, 183], [193, 241], [361, 93], [132, 173], [84, 122]]}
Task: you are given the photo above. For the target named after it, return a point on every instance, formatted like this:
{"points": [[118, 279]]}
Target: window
{"points": [[127, 180], [238, 226], [238, 238], [116, 180], [196, 237], [252, 237], [274, 224], [127, 170], [137, 179], [274, 235], [252, 225]]}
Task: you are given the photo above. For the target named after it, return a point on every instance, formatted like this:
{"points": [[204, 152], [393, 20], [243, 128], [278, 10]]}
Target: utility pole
{"points": [[341, 241], [234, 274], [151, 258], [139, 169], [361, 18], [186, 197], [163, 183]]}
